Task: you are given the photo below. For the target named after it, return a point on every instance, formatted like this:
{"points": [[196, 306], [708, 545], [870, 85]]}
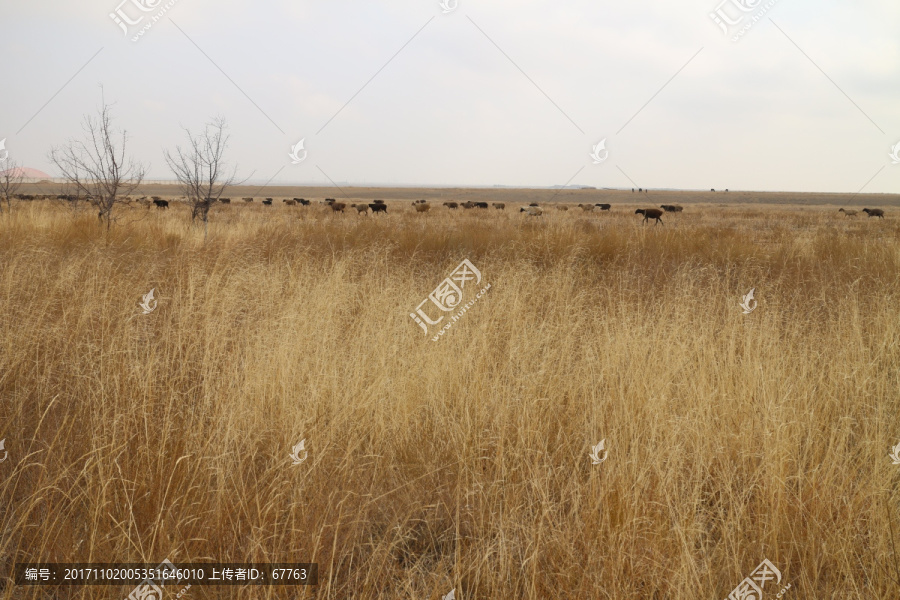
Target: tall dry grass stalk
{"points": [[462, 463]]}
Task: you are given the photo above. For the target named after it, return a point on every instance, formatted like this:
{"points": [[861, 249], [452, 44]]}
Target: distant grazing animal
{"points": [[329, 200], [586, 207], [674, 208], [267, 202], [532, 211], [225, 200], [420, 207], [377, 208], [640, 190], [481, 205], [874, 212], [291, 202], [650, 213], [416, 202], [451, 204], [337, 206], [604, 206], [382, 201], [360, 208], [561, 207], [161, 203], [468, 204], [533, 204], [303, 201], [247, 199], [713, 189], [849, 213], [499, 205], [154, 198]]}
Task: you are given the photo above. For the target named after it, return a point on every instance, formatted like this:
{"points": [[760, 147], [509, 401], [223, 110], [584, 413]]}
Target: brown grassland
{"points": [[461, 463]]}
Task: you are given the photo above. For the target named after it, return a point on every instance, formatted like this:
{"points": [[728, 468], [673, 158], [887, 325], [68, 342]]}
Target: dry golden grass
{"points": [[461, 463]]}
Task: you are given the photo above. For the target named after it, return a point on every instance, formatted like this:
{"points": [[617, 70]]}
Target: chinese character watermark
{"points": [[448, 296]]}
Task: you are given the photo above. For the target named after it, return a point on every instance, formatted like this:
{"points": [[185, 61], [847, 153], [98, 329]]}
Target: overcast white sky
{"points": [[501, 92]]}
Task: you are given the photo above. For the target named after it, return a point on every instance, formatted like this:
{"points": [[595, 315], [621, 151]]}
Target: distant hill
{"points": [[25, 173]]}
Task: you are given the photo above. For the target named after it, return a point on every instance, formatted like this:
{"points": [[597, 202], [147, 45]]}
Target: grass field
{"points": [[461, 463]]}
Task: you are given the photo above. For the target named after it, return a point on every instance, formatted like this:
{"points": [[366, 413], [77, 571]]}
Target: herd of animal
{"points": [[423, 206]]}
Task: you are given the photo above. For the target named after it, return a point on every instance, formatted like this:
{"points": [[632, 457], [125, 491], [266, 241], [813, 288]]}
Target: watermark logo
{"points": [[450, 596], [147, 589], [747, 300], [751, 588], [739, 15], [894, 456], [296, 450], [296, 159], [124, 20], [448, 6], [4, 154], [148, 303], [596, 451], [448, 295], [3, 447], [895, 153], [599, 152]]}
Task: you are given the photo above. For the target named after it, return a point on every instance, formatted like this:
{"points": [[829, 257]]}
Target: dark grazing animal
{"points": [[337, 206], [161, 203], [291, 202], [468, 204], [671, 208], [376, 208], [532, 204], [267, 202], [225, 200], [303, 201], [650, 213], [604, 206], [874, 212], [451, 204], [481, 205], [382, 201]]}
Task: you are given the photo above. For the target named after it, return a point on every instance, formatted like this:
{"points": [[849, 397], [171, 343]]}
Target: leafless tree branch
{"points": [[199, 168], [10, 181], [97, 167]]}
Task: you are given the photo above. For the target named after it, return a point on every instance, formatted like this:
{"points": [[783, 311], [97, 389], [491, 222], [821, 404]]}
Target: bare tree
{"points": [[10, 180], [200, 167], [97, 167]]}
